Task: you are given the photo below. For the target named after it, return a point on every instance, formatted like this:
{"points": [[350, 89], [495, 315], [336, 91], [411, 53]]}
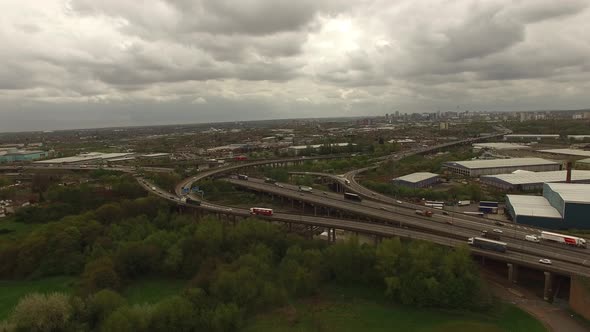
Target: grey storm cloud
{"points": [[87, 63]]}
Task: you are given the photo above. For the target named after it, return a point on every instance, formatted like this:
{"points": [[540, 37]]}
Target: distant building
{"points": [[537, 137], [567, 152], [475, 168], [13, 155], [417, 180], [499, 146]]}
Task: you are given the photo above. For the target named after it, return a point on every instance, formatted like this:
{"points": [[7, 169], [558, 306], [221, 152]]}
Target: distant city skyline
{"points": [[84, 64]]}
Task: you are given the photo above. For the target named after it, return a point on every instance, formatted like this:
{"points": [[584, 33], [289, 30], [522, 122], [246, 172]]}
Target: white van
{"points": [[532, 238]]}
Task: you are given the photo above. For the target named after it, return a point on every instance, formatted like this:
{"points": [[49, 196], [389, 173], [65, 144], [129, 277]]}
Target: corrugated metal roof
{"points": [[499, 146], [540, 177], [84, 157], [533, 206], [494, 163], [416, 177], [572, 192], [567, 152]]}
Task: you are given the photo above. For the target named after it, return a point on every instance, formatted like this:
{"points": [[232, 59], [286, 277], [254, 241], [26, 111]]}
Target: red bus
{"points": [[261, 211], [240, 158]]}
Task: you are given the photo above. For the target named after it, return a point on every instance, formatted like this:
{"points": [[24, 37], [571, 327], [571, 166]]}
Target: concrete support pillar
{"points": [[548, 290], [377, 239], [328, 209], [512, 272], [331, 235], [315, 210]]}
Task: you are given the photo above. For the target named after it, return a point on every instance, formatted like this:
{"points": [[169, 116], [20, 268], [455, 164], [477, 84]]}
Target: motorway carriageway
{"points": [[381, 230], [436, 223]]}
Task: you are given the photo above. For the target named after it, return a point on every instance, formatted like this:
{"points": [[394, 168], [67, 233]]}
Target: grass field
{"points": [[12, 291], [152, 290], [16, 229], [343, 309]]}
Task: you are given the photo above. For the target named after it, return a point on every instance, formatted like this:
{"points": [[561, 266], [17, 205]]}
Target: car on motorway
{"points": [[497, 230], [279, 185], [154, 188], [499, 223], [399, 202], [545, 261], [445, 213], [383, 208], [325, 193], [532, 238], [346, 181], [448, 222]]}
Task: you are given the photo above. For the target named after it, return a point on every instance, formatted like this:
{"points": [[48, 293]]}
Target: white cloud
{"points": [[362, 56]]}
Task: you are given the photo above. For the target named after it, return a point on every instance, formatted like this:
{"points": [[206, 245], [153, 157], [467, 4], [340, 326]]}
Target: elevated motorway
{"points": [[377, 212], [566, 261], [380, 230]]}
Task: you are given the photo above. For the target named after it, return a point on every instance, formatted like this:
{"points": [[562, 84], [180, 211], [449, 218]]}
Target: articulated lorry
{"points": [[487, 244], [189, 200], [425, 213], [491, 235], [565, 239]]}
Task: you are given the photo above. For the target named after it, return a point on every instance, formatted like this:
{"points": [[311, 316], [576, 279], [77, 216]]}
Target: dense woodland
{"points": [[110, 235]]}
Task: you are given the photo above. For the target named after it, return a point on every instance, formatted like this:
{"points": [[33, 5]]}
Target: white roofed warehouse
{"points": [[476, 168], [562, 206], [528, 181], [417, 180]]}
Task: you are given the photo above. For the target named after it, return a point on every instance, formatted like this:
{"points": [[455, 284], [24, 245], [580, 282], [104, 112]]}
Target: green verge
{"points": [[12, 230], [152, 290], [11, 291], [342, 309]]}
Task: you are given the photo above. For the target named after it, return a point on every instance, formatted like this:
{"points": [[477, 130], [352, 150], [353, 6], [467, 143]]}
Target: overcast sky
{"points": [[94, 63]]}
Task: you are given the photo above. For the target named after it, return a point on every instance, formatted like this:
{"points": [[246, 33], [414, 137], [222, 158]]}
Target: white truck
{"points": [[463, 203], [565, 239]]}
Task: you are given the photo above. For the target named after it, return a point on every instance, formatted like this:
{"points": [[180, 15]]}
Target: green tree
{"points": [[174, 314], [136, 318], [100, 274], [42, 313], [101, 305]]}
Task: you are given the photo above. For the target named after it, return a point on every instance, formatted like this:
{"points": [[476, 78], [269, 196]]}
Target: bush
{"points": [[43, 313]]}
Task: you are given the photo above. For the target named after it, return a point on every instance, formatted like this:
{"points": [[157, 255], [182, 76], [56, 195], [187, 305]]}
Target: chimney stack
{"points": [[568, 177]]}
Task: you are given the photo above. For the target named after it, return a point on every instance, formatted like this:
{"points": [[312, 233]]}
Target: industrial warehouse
{"points": [[528, 181], [562, 206], [475, 168], [417, 180]]}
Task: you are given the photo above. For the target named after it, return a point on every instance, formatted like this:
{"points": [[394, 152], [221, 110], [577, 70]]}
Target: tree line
{"points": [[232, 271]]}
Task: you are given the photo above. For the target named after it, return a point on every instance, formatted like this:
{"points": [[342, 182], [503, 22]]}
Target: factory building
{"points": [[562, 206], [475, 168], [529, 181], [90, 157], [537, 137], [567, 152], [12, 154], [498, 146], [417, 180]]}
